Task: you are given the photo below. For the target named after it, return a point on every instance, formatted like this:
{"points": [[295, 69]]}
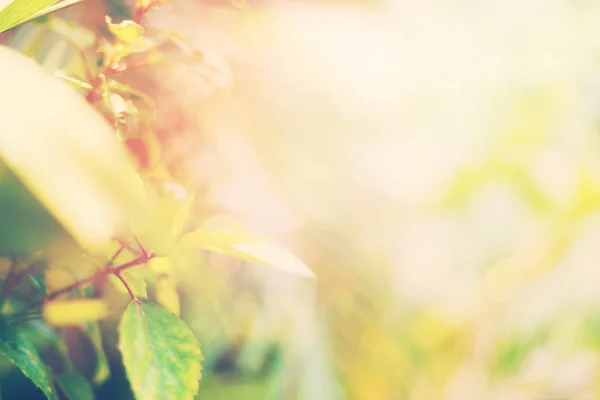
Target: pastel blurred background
{"points": [[435, 163]]}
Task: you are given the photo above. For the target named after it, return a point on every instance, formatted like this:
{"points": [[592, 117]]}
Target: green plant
{"points": [[91, 217]]}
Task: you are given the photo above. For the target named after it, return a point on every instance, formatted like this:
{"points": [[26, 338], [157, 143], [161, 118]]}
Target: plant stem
{"points": [[124, 282], [107, 270]]}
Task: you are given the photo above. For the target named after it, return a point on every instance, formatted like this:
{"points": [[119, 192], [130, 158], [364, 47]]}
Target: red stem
{"points": [[124, 282], [103, 273]]}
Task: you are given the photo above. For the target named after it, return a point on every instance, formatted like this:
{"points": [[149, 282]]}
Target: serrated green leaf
{"points": [[161, 355], [25, 356], [74, 386]]}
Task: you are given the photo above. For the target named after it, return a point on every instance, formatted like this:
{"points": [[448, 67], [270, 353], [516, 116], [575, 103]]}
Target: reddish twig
{"points": [[124, 282], [106, 271]]}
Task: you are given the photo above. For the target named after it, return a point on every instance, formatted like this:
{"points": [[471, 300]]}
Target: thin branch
{"points": [[124, 282]]}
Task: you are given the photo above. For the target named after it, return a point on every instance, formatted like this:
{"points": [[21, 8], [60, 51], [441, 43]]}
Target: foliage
{"points": [[90, 225]]}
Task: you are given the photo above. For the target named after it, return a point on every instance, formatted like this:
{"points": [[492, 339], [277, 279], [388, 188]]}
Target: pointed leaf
{"points": [[74, 386], [160, 353], [60, 5], [19, 11], [74, 312], [224, 236], [272, 255], [25, 356]]}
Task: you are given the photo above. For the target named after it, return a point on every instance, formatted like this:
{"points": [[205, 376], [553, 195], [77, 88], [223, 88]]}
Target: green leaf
{"points": [[223, 236], [127, 31], [25, 356], [74, 386], [207, 239], [54, 142], [60, 5], [102, 372], [20, 11], [160, 352]]}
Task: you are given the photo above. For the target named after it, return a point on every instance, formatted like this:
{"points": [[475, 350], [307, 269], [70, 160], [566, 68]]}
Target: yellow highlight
{"points": [[74, 312]]}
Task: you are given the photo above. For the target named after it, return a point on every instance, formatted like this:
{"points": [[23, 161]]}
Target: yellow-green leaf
{"points": [[24, 355], [224, 236], [74, 312], [57, 6], [65, 153], [161, 355], [268, 253], [19, 11], [161, 265], [102, 371], [127, 31], [166, 294]]}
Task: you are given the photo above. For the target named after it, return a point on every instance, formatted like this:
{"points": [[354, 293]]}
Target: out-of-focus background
{"points": [[435, 163]]}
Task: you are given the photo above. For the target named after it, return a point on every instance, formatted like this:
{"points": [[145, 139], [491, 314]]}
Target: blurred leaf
{"points": [[160, 353], [222, 235], [512, 351], [161, 265], [65, 153], [127, 31], [25, 225], [182, 214], [58, 278], [60, 5], [74, 386], [74, 312], [20, 11], [25, 356], [165, 285], [166, 294], [211, 240], [102, 367]]}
